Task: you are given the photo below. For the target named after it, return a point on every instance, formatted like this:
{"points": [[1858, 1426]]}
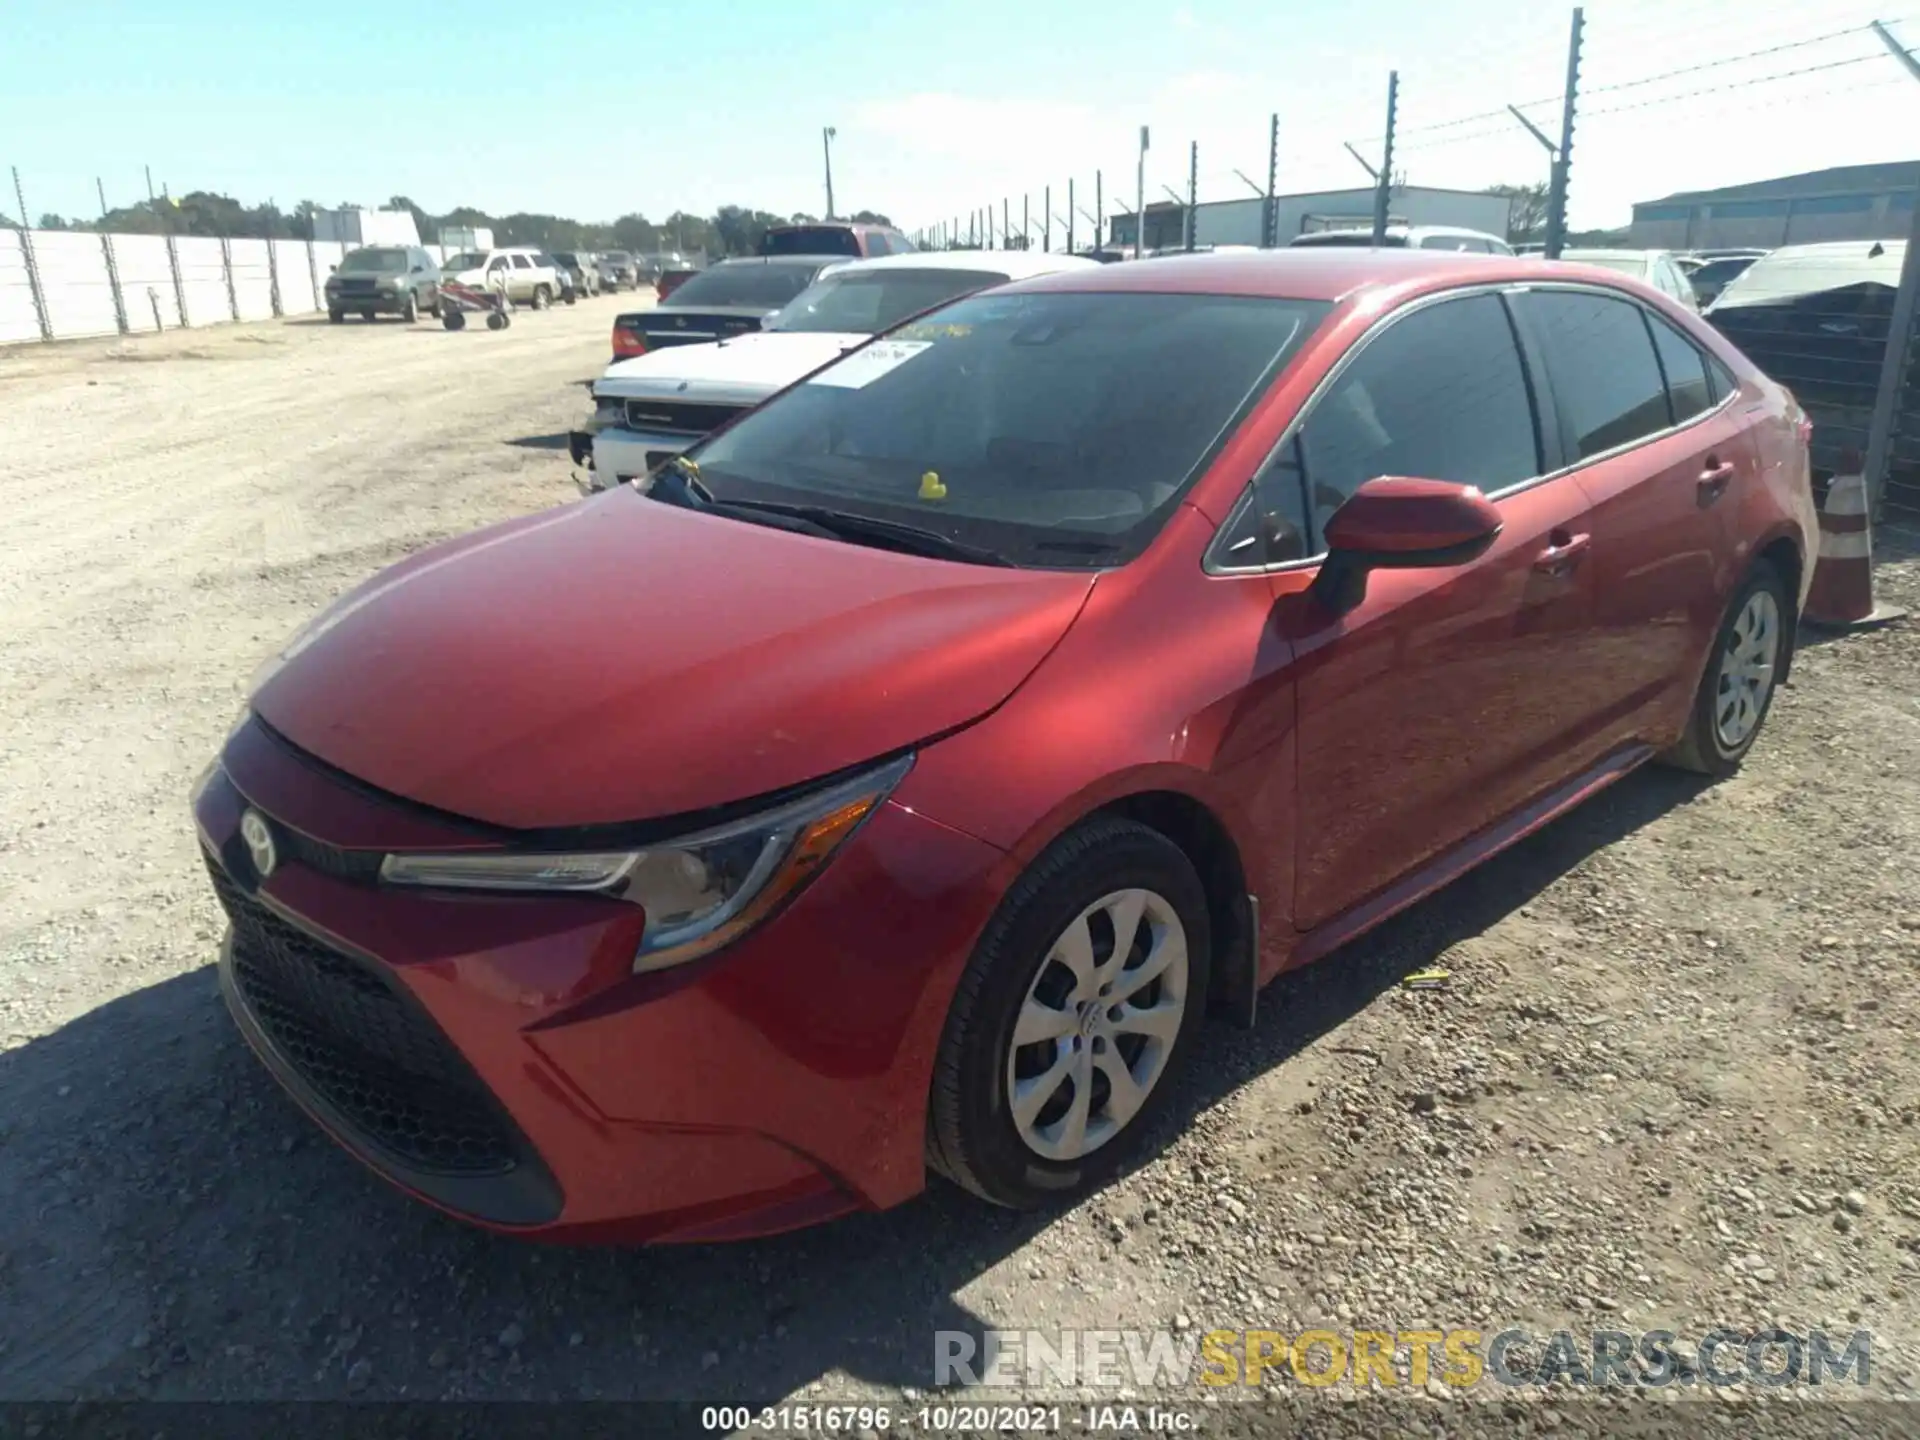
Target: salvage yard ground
{"points": [[1674, 1079]]}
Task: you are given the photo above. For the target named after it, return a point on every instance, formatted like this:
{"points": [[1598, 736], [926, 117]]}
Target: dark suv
{"points": [[375, 280], [843, 238]]}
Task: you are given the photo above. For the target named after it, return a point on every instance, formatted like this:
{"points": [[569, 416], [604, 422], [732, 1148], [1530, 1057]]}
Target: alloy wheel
{"points": [[1747, 666], [1098, 1024]]}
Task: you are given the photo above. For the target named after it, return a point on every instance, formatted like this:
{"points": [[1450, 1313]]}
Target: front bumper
{"points": [[777, 1083], [378, 304]]}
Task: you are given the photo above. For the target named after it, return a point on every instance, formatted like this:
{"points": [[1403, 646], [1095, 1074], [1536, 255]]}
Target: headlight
{"points": [[699, 892]]}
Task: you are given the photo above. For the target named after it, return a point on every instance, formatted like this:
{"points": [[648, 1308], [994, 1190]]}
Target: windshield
{"points": [[467, 260], [617, 257], [810, 240], [878, 300], [763, 286], [374, 262], [1058, 430]]}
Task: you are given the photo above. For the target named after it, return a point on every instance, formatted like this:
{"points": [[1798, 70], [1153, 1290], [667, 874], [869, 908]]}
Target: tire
{"points": [[410, 312], [498, 320], [1729, 708], [542, 297], [454, 319], [336, 317], [974, 1135]]}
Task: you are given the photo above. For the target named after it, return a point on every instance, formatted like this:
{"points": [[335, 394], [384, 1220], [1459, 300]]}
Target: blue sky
{"points": [[939, 107]]}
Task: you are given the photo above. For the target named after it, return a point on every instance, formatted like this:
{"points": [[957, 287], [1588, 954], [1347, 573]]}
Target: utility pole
{"points": [[826, 150], [1193, 191], [1046, 221], [1099, 214], [1026, 222], [1563, 160], [1140, 198], [1006, 228], [1383, 182], [1900, 52], [33, 269], [113, 267], [1070, 215], [1270, 217]]}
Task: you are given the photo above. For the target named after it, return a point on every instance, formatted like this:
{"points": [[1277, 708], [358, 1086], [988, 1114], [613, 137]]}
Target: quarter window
{"points": [[1606, 382], [1440, 395], [1688, 389]]}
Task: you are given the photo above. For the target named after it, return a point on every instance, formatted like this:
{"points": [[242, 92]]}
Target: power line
{"points": [[1705, 65]]}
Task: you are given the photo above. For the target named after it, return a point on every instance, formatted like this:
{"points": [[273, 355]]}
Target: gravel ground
{"points": [[1672, 1081]]}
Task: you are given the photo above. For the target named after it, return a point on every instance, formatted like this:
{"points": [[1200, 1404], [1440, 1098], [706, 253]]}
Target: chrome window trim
{"points": [[1211, 565]]}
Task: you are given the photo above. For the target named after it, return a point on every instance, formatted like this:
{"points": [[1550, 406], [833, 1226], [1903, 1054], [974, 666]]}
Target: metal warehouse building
{"points": [[1237, 222], [1849, 202]]}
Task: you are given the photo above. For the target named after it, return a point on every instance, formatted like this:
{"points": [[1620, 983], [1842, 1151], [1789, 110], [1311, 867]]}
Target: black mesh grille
{"points": [[365, 1050], [683, 417]]}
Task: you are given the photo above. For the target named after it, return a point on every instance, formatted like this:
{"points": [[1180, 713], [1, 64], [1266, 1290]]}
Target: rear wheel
{"points": [[1737, 689], [498, 320], [410, 312], [1079, 1002], [542, 297], [454, 319]]}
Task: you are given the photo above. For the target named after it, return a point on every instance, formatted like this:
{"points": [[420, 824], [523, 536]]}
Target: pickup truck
{"points": [[649, 408]]}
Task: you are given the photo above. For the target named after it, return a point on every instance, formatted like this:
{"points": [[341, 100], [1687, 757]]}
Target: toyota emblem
{"points": [[259, 837]]}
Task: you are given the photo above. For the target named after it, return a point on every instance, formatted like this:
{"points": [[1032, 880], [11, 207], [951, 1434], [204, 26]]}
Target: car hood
{"points": [[620, 659], [752, 366]]}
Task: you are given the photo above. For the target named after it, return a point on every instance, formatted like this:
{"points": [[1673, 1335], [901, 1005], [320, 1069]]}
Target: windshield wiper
{"points": [[678, 483], [909, 538]]}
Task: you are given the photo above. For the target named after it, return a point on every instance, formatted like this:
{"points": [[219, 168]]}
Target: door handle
{"points": [[1561, 556], [1714, 479]]}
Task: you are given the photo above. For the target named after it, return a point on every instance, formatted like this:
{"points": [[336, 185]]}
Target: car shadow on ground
{"points": [[539, 442], [171, 1226]]}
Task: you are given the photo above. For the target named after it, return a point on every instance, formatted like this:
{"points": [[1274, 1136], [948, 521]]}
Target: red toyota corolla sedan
{"points": [[899, 782]]}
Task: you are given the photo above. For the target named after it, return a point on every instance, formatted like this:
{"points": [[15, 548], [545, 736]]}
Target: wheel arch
{"points": [[1206, 841], [1783, 551]]}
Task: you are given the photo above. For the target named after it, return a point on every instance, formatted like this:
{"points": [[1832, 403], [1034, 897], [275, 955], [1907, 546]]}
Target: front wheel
{"points": [[453, 319], [1737, 690], [1078, 1003], [542, 297], [336, 317], [410, 312]]}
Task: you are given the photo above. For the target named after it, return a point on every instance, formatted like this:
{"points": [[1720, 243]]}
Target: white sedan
{"points": [[650, 408]]}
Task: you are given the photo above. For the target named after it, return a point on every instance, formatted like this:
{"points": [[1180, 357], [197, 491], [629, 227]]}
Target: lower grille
{"points": [[678, 417], [362, 1047]]}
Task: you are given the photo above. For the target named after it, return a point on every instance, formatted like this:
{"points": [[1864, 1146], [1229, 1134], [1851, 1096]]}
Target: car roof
{"points": [[791, 262], [1404, 230], [1014, 264], [1331, 273], [1608, 251]]}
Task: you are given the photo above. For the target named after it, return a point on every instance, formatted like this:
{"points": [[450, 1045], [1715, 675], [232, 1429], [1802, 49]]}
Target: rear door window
{"points": [[1439, 395], [521, 262], [1689, 390], [1606, 379]]}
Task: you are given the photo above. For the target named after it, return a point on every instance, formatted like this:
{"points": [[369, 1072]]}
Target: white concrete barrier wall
{"points": [[213, 278]]}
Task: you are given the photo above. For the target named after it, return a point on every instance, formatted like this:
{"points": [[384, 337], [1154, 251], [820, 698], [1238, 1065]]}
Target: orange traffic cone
{"points": [[1842, 593]]}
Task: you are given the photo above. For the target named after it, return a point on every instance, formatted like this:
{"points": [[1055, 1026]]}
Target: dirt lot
{"points": [[1673, 1082]]}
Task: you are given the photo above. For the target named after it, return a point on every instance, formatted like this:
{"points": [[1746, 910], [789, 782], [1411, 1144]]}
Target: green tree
{"points": [[870, 217]]}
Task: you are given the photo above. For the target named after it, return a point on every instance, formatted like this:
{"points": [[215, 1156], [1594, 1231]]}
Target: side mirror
{"points": [[1400, 523]]}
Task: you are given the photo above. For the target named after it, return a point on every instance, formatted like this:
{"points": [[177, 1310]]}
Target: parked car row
{"points": [[406, 280], [1001, 662]]}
